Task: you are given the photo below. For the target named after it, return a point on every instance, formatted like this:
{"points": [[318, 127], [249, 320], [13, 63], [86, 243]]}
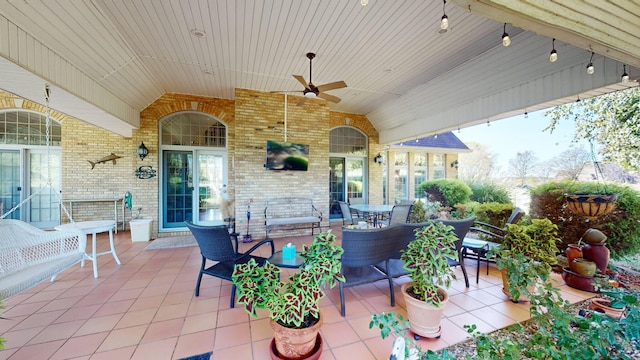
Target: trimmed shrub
{"points": [[493, 213], [621, 226], [447, 192], [489, 193]]}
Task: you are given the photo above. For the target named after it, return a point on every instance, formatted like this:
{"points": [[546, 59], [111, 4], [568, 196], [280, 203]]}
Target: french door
{"points": [[24, 172], [346, 181], [193, 190]]}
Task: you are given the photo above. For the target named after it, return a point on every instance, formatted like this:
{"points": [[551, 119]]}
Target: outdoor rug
{"points": [[172, 242], [205, 356]]}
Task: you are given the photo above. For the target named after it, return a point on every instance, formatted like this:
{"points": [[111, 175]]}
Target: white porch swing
{"points": [[29, 255]]}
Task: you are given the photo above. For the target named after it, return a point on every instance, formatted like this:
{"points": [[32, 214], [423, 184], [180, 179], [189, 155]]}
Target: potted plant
{"points": [[426, 260], [526, 255], [293, 305]]}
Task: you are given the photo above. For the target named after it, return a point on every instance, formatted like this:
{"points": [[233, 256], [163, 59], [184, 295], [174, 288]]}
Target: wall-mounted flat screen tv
{"points": [[287, 156]]}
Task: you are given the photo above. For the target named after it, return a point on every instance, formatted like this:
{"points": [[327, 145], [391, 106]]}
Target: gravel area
{"points": [[626, 275]]}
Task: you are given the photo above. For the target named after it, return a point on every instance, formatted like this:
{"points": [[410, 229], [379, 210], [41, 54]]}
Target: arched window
{"points": [[193, 129], [27, 128], [347, 167]]}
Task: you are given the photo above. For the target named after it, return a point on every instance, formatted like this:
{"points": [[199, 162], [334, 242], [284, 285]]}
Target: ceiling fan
{"points": [[311, 91]]}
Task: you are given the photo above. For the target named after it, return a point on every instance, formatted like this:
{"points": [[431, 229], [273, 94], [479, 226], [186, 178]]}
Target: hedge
{"points": [[622, 226]]}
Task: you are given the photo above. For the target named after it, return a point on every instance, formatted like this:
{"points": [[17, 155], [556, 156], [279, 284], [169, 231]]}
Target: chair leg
{"points": [[233, 296], [198, 284], [464, 272], [342, 309], [392, 293]]}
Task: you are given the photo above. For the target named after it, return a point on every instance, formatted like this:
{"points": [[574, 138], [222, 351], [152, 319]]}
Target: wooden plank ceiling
{"points": [[390, 53]]}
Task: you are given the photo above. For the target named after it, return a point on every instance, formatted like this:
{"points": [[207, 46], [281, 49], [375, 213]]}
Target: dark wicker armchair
{"points": [[216, 244]]}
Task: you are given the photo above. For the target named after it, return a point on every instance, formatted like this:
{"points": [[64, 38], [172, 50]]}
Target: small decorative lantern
{"points": [[142, 151]]}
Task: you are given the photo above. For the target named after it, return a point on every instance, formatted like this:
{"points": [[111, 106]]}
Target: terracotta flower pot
{"points": [[505, 288], [602, 305], [424, 318], [573, 251], [296, 344], [597, 253]]}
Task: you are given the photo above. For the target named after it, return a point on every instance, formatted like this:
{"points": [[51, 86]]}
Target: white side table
{"points": [[95, 227]]}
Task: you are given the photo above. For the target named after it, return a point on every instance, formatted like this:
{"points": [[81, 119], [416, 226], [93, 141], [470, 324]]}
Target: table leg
{"points": [[113, 248], [94, 257]]}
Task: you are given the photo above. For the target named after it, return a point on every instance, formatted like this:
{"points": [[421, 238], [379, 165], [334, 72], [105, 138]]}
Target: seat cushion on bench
{"points": [[293, 220]]}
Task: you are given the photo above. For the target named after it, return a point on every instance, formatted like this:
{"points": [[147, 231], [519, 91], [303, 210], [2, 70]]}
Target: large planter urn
{"points": [[591, 205], [424, 318], [599, 254], [296, 344], [604, 305]]}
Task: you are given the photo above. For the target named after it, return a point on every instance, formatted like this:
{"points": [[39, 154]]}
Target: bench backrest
{"points": [[289, 207]]}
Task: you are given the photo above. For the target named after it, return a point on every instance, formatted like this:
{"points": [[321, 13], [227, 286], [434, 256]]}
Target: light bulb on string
{"points": [[553, 55], [506, 40]]}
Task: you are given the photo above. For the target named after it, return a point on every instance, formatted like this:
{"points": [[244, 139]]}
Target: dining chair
{"points": [[399, 215], [216, 244], [347, 215], [486, 237]]}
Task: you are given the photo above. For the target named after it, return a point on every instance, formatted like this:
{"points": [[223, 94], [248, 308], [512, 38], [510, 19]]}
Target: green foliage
{"points": [[557, 332], [295, 303], [536, 241], [621, 226], [493, 213], [354, 187], [426, 260], [488, 192], [448, 192], [610, 120]]}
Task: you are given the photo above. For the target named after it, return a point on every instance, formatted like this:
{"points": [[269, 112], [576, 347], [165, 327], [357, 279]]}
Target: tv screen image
{"points": [[287, 156]]}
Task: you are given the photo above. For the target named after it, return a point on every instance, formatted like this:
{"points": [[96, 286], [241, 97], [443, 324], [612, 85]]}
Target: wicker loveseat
{"points": [[29, 255]]}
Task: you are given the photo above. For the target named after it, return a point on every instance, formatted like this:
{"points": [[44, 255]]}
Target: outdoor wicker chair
{"points": [[216, 244], [363, 249], [399, 215]]}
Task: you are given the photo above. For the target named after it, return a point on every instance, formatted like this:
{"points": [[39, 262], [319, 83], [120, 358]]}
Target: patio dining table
{"points": [[376, 210]]}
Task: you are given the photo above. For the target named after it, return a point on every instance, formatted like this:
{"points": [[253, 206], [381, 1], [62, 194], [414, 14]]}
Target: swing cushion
{"points": [[29, 255]]}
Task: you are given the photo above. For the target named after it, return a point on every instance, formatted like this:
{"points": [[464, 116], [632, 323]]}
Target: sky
{"points": [[504, 138]]}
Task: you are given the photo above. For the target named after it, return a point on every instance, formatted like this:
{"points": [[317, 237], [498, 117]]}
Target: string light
{"points": [[506, 40], [590, 68], [444, 21], [488, 123], [364, 2], [625, 76], [553, 55], [526, 115]]}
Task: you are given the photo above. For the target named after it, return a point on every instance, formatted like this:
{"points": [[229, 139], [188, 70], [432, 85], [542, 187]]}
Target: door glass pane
{"points": [[211, 186], [336, 186], [44, 207], [9, 182], [178, 188], [355, 179]]}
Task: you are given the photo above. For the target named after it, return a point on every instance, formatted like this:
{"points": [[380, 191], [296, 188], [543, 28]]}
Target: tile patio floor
{"points": [[145, 309]]}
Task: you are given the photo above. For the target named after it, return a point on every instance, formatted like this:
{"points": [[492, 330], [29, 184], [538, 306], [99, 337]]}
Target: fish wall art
{"points": [[113, 157]]}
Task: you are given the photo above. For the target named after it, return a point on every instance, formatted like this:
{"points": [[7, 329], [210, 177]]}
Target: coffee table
{"points": [[94, 227], [277, 260]]}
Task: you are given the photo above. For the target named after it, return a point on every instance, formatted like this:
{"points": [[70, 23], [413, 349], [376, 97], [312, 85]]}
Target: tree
{"points": [[522, 165], [478, 165], [569, 163], [612, 121]]}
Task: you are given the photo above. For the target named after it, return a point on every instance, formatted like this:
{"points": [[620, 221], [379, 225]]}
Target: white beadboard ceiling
{"points": [[112, 58]]}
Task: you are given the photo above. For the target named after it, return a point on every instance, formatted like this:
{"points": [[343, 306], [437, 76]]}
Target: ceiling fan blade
{"points": [[331, 98], [332, 86], [300, 79], [302, 101]]}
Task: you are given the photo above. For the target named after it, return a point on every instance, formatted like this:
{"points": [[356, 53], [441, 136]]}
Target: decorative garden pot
{"points": [[578, 281], [597, 253], [424, 318], [584, 267], [505, 288], [602, 305], [573, 251], [591, 205], [296, 344]]}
